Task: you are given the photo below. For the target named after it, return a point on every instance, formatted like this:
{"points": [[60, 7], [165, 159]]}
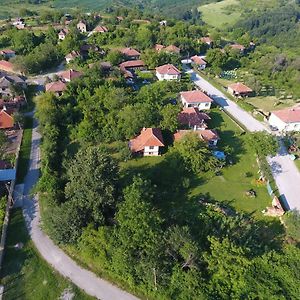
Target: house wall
{"points": [[148, 151], [167, 77], [282, 126], [200, 105]]}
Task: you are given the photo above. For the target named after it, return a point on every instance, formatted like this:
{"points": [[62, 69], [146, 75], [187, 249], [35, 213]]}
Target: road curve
{"points": [[284, 170], [61, 262]]}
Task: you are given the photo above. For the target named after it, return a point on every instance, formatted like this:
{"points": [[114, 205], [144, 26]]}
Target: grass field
{"points": [[25, 274], [220, 14], [25, 149]]}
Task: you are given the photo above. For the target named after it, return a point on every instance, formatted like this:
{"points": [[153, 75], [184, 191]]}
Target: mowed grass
{"points": [[24, 155], [25, 275], [226, 12]]}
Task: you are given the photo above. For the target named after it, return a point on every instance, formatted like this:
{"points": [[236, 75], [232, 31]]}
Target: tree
{"points": [[292, 223], [114, 57], [262, 143], [3, 142], [170, 117]]}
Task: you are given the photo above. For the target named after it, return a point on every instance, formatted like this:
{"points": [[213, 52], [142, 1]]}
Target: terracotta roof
{"points": [[6, 120], [7, 51], [207, 134], [191, 116], [206, 39], [238, 47], [148, 137], [64, 31], [195, 96], [168, 69], [132, 64], [240, 88], [70, 74], [291, 115], [6, 65], [56, 87], [130, 52], [73, 54], [172, 48], [100, 29], [158, 47], [198, 60]]}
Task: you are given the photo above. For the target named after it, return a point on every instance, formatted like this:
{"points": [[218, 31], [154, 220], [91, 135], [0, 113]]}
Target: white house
{"points": [[198, 62], [168, 72], [286, 119], [62, 34], [195, 98], [82, 27], [71, 56], [148, 143]]}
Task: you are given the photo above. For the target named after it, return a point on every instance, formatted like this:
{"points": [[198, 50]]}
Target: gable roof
{"points": [[56, 86], [290, 115], [159, 47], [172, 48], [6, 66], [168, 69], [70, 74], [148, 137], [240, 88], [132, 64], [7, 51], [73, 54], [198, 60], [206, 39], [100, 29], [238, 47], [206, 135], [130, 52], [6, 120], [191, 116], [195, 96], [64, 31]]}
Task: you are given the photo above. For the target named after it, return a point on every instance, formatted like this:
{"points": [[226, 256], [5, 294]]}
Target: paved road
{"points": [[284, 170], [84, 279]]}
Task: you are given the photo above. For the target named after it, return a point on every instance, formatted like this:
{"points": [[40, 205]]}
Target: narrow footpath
{"points": [[284, 170], [84, 279]]}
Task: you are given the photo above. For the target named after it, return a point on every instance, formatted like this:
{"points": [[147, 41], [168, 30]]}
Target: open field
{"points": [[25, 274]]}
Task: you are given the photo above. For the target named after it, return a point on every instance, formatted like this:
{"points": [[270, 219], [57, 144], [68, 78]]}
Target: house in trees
{"points": [[192, 118], [70, 75], [238, 47], [198, 62], [168, 72], [207, 40], [239, 90], [195, 98], [209, 136], [6, 120], [133, 65], [99, 29], [6, 66], [82, 26], [172, 49], [148, 143], [286, 119], [56, 87], [72, 55], [62, 34], [159, 47], [130, 53], [7, 53], [7, 82]]}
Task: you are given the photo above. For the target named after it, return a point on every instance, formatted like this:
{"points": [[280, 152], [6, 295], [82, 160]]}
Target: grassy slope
{"points": [[25, 274]]}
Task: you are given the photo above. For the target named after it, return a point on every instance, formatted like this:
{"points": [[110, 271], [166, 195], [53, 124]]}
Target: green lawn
{"points": [[218, 14], [25, 150], [25, 274]]}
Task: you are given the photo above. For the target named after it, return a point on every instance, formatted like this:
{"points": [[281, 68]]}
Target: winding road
{"points": [[84, 279], [284, 170]]}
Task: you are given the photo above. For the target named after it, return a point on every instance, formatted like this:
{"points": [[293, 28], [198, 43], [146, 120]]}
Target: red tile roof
{"points": [[238, 47], [147, 138], [6, 66], [6, 120], [70, 74], [206, 40], [291, 115], [207, 134], [73, 54], [240, 88], [130, 52], [172, 48], [56, 87], [191, 116], [101, 29], [198, 60], [132, 64], [195, 96], [168, 69], [158, 47]]}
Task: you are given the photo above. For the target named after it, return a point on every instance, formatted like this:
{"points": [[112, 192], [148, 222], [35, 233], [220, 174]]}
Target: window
{"points": [[151, 147], [206, 104]]}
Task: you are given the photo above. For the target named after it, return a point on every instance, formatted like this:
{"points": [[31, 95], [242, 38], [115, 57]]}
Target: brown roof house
{"points": [[99, 29], [148, 143], [198, 62], [6, 66], [238, 47], [72, 55], [158, 47], [239, 90], [6, 120], [209, 136], [63, 33], [192, 118], [168, 72], [130, 53], [197, 99], [286, 119], [56, 87], [207, 40], [172, 49], [8, 53], [69, 75], [82, 26]]}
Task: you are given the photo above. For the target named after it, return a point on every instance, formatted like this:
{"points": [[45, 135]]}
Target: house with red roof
{"points": [[82, 26], [159, 47], [6, 66], [172, 49], [6, 120], [69, 75], [72, 55], [197, 99], [207, 40], [148, 143], [7, 53], [199, 62], [99, 29], [238, 47], [63, 33], [56, 87], [133, 65], [239, 90], [130, 53], [192, 118], [168, 72], [286, 119], [209, 136]]}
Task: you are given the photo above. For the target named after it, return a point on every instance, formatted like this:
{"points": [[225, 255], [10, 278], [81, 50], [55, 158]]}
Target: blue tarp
{"points": [[7, 174], [219, 154]]}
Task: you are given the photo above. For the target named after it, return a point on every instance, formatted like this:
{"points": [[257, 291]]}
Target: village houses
{"points": [[197, 99], [168, 72]]}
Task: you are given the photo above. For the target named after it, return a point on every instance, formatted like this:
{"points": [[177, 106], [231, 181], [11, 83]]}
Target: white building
{"points": [[286, 119], [168, 72], [195, 98]]}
